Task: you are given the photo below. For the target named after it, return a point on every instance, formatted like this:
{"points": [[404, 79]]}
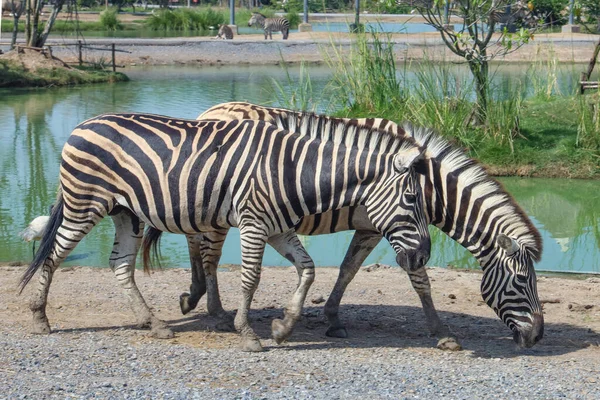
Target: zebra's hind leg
{"points": [[361, 246], [288, 244], [211, 250], [128, 237], [68, 234], [189, 301], [420, 282]]}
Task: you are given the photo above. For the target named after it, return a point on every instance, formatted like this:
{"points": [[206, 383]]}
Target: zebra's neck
{"points": [[471, 207]]}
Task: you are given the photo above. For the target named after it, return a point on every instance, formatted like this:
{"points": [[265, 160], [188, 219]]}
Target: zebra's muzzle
{"points": [[529, 336], [412, 260]]}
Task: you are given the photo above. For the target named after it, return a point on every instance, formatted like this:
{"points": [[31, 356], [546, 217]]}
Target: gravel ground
{"points": [[308, 47], [95, 352]]}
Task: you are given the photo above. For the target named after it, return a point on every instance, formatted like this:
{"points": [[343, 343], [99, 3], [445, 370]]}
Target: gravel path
{"points": [[95, 352], [309, 47]]}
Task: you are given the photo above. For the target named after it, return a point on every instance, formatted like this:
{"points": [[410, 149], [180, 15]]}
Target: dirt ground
{"points": [[379, 309]]}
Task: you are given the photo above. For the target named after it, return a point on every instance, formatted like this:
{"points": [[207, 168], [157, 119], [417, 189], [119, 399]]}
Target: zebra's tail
{"points": [[47, 241], [151, 249]]}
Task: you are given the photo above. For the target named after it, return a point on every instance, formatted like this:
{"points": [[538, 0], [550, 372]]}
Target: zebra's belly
{"points": [[344, 219]]}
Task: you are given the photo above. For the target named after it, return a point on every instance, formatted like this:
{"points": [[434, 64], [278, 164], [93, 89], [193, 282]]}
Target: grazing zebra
{"points": [[187, 176], [462, 200], [271, 25], [225, 32]]}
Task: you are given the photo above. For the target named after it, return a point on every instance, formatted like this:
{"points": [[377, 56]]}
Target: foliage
{"points": [[109, 20], [296, 94], [588, 129], [294, 19], [551, 10], [185, 19]]}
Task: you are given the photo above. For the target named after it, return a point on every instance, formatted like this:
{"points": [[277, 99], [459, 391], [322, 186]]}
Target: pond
{"points": [[35, 125]]}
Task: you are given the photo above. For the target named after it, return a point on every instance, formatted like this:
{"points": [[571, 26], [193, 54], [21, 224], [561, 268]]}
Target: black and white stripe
{"points": [[188, 177], [462, 200], [271, 25]]}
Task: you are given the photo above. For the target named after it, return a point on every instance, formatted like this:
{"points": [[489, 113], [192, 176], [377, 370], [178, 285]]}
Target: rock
{"points": [[550, 301], [317, 299], [452, 296], [575, 307], [449, 343]]}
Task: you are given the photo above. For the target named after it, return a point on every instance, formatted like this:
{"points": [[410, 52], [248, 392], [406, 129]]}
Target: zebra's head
{"points": [[256, 19], [509, 287], [397, 210]]}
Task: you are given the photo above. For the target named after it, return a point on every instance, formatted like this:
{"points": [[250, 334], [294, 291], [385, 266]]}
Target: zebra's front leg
{"points": [[361, 246], [128, 237], [189, 301], [253, 242], [420, 282], [288, 244]]}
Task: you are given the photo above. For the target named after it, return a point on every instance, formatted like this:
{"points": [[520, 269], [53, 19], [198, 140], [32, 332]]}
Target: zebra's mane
{"points": [[348, 132], [473, 175]]}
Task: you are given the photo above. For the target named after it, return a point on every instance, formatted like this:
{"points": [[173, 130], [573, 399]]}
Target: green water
{"points": [[35, 124]]}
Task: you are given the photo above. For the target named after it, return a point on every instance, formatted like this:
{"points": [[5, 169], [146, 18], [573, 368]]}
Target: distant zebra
{"points": [[187, 177], [225, 32], [518, 12], [271, 25], [462, 200]]}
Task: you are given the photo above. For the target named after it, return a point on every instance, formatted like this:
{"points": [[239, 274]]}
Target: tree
{"points": [[16, 7], [475, 39], [551, 11], [36, 37]]}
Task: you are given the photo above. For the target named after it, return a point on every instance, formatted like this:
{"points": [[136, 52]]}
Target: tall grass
{"points": [[296, 94], [365, 79], [588, 129]]}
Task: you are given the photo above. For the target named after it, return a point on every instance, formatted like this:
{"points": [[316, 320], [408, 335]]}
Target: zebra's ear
{"points": [[405, 159], [508, 244]]}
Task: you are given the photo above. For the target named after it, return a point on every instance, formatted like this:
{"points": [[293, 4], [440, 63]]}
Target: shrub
{"points": [[109, 20]]}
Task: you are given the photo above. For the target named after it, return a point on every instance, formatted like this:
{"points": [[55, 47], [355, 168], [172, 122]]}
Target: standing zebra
{"points": [[271, 25], [461, 199], [187, 177]]}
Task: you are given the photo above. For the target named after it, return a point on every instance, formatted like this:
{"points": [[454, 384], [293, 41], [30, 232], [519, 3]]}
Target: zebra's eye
{"points": [[521, 278], [410, 197]]}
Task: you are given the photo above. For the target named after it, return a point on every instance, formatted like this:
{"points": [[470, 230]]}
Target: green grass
{"points": [[12, 75], [551, 134]]}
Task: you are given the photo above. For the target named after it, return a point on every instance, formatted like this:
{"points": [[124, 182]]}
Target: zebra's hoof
{"points": [[184, 303], [280, 331], [251, 345], [337, 332], [41, 328]]}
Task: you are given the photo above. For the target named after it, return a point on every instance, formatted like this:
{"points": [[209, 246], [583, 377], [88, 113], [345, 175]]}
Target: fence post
{"points": [[79, 51], [114, 64]]}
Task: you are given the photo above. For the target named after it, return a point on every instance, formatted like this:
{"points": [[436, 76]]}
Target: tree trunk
{"points": [[480, 69], [41, 39]]}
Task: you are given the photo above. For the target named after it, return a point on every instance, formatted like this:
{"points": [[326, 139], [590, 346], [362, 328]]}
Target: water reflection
{"points": [[35, 125]]}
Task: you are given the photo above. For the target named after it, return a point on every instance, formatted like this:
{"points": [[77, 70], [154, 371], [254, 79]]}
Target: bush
{"points": [[185, 19], [551, 10], [294, 19], [109, 20]]}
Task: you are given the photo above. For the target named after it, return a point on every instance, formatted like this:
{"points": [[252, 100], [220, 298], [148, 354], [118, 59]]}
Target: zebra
{"points": [[271, 25], [462, 200], [511, 14], [187, 176], [225, 32]]}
